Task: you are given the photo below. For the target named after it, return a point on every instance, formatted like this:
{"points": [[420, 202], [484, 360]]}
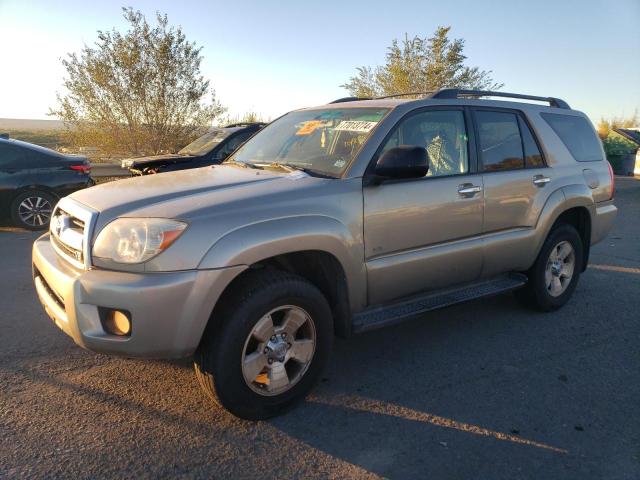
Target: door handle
{"points": [[468, 190], [541, 180]]}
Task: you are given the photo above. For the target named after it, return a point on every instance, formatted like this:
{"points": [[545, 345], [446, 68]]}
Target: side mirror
{"points": [[405, 161]]}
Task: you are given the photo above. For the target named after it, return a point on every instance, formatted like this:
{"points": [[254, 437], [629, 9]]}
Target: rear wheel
{"points": [[554, 276], [270, 348], [32, 209]]}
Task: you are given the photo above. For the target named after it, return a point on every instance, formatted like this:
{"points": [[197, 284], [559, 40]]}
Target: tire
{"points": [[538, 293], [32, 209], [238, 346]]}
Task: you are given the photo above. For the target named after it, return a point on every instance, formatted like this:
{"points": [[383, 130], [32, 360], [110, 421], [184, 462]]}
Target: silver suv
{"points": [[331, 220]]}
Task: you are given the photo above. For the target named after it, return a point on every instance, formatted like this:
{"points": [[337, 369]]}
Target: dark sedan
{"points": [[33, 178], [211, 148]]}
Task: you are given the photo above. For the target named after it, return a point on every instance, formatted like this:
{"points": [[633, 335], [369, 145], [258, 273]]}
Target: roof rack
{"points": [[453, 93], [450, 93], [427, 93], [349, 99]]}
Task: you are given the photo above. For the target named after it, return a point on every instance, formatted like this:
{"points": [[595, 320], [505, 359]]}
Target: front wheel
{"points": [[270, 347], [554, 276]]}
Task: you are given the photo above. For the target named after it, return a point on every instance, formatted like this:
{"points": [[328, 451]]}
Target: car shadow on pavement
{"points": [[473, 380]]}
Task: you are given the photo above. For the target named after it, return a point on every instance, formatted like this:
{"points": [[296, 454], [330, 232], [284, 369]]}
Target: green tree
{"points": [[138, 92], [421, 65]]}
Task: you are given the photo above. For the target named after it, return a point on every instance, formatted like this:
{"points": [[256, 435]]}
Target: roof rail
{"points": [[450, 93], [349, 99], [427, 93]]}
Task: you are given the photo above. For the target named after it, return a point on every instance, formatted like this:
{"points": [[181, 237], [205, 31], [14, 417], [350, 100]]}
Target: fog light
{"points": [[117, 323]]}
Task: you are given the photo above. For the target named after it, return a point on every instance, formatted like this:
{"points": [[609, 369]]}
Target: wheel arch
{"points": [[318, 248], [573, 205]]}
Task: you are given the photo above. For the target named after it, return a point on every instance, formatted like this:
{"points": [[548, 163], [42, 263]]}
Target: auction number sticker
{"points": [[356, 126]]}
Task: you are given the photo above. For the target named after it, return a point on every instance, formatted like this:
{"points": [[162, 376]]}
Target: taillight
{"points": [[613, 181], [81, 168]]}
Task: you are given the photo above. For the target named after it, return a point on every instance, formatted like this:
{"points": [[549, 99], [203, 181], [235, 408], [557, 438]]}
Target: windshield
{"points": [[205, 143], [318, 141]]}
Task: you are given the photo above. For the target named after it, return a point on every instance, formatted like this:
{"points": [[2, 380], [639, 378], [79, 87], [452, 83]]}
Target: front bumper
{"points": [[169, 310]]}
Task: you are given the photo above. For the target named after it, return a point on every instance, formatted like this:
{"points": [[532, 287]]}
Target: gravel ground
{"points": [[481, 390]]}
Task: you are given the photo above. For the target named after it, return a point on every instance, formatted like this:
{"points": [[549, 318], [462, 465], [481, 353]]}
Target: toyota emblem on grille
{"points": [[60, 223]]}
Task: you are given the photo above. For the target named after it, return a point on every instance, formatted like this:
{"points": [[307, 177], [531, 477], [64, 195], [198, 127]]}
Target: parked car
{"points": [[331, 220], [211, 148], [33, 178]]}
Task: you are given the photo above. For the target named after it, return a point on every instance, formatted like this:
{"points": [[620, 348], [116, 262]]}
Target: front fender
{"points": [[256, 242]]}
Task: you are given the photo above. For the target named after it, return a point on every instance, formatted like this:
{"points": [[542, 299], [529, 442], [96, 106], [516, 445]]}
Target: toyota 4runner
{"points": [[331, 220]]}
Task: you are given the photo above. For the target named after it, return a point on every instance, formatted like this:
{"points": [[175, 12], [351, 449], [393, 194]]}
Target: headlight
{"points": [[136, 240]]}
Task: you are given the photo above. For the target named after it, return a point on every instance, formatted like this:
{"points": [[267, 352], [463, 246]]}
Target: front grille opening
{"points": [[74, 224], [52, 293], [79, 224]]}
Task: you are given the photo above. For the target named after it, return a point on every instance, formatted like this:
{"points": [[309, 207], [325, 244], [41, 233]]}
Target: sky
{"points": [[272, 57]]}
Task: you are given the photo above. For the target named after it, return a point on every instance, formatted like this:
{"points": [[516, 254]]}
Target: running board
{"points": [[377, 317]]}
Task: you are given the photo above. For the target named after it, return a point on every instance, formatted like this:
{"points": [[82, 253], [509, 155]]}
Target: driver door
{"points": [[423, 234]]}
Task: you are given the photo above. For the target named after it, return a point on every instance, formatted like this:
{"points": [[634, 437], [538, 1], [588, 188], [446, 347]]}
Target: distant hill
{"points": [[30, 125]]}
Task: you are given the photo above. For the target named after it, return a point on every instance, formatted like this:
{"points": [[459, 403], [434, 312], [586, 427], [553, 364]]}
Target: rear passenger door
{"points": [[516, 181]]}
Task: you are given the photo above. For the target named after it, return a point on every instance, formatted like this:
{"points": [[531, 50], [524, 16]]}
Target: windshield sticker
{"points": [[309, 127], [356, 126], [340, 163]]}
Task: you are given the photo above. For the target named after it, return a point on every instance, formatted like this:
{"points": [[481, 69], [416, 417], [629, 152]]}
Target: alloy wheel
{"points": [[560, 267], [279, 350], [35, 211]]}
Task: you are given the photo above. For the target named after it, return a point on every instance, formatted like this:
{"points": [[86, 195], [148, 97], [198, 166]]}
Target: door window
{"points": [[500, 142], [532, 156], [442, 133], [10, 157], [233, 143]]}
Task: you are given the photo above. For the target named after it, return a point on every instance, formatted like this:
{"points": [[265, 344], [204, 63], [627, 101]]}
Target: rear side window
{"points": [[577, 135], [10, 156], [500, 142]]}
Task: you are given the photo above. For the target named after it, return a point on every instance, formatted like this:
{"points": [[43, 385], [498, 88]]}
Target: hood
{"points": [[155, 160], [630, 134], [186, 193]]}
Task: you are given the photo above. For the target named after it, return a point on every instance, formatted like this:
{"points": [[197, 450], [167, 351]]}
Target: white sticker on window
{"points": [[356, 126], [339, 163]]}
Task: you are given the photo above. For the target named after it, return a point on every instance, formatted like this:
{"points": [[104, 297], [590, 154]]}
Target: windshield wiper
{"points": [[292, 167], [242, 164]]}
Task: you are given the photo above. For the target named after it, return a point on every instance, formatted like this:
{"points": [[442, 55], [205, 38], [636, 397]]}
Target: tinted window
{"points": [[500, 142], [233, 143], [532, 156], [10, 156], [442, 133], [577, 135]]}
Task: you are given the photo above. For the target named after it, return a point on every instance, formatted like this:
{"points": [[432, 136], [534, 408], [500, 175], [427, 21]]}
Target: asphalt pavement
{"points": [[484, 390]]}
